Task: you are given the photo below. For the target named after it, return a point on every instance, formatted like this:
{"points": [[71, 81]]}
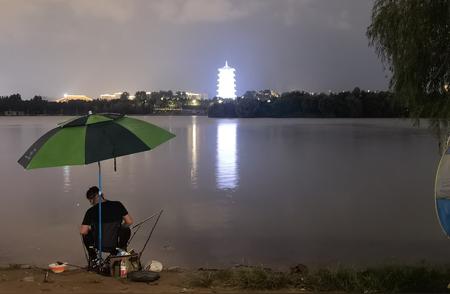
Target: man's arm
{"points": [[127, 219], [84, 229]]}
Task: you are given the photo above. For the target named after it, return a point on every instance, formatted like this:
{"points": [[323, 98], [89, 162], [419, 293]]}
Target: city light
{"points": [[71, 97]]}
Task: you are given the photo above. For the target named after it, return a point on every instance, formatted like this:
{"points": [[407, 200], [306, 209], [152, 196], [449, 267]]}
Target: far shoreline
{"points": [[216, 117]]}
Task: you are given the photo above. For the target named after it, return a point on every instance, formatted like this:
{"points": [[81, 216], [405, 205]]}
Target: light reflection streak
{"points": [[66, 176], [226, 159], [194, 152]]}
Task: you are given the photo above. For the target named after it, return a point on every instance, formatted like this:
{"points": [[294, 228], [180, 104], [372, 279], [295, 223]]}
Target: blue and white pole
{"points": [[100, 198]]}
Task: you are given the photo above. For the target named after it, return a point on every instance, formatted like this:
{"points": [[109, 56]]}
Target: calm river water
{"points": [[275, 192]]}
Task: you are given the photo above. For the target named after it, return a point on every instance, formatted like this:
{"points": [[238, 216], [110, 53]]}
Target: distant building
{"points": [[275, 94], [198, 96], [267, 95], [226, 87], [70, 97], [188, 95], [107, 97], [115, 96], [110, 96], [263, 95]]}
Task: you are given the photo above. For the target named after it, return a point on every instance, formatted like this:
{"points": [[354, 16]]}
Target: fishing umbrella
{"points": [[93, 138], [442, 191]]}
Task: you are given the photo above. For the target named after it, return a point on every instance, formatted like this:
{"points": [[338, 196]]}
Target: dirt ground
{"points": [[79, 281]]}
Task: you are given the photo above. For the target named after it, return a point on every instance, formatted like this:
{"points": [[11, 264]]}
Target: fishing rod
{"points": [[139, 225], [151, 232], [146, 220]]}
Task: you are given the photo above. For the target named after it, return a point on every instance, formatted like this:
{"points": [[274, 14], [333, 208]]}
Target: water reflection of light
{"points": [[226, 166], [194, 152], [66, 176]]}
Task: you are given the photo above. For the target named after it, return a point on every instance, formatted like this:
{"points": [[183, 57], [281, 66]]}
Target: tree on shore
{"points": [[124, 96], [412, 38], [141, 97], [247, 107]]}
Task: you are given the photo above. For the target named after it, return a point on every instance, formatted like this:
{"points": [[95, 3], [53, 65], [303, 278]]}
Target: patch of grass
{"points": [[203, 279], [260, 278], [392, 279], [243, 278]]}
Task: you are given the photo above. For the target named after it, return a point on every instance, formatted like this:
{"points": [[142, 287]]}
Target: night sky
{"points": [[52, 47]]}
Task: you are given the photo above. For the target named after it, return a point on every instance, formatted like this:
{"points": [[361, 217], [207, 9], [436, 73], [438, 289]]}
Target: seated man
{"points": [[113, 212]]}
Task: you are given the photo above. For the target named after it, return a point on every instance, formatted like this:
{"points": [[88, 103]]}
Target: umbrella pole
{"points": [[100, 198]]}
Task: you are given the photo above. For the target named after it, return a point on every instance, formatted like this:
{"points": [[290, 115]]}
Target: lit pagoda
{"points": [[226, 87]]}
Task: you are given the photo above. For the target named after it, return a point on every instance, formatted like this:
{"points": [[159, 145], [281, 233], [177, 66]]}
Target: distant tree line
{"points": [[143, 103], [39, 106], [356, 103]]}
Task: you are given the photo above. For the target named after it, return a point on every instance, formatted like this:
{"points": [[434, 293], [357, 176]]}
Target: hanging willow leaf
{"points": [[412, 38]]}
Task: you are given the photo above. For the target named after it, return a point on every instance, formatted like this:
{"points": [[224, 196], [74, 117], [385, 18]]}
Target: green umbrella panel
{"points": [[93, 138]]}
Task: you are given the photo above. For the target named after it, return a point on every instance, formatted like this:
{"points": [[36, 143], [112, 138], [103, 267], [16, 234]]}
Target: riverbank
{"points": [[392, 278], [33, 280]]}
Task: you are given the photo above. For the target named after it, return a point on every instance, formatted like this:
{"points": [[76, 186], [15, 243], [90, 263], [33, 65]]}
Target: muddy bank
{"points": [[24, 279], [421, 278]]}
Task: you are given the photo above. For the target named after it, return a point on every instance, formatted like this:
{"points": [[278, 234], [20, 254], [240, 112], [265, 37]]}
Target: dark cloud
{"points": [[50, 47]]}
